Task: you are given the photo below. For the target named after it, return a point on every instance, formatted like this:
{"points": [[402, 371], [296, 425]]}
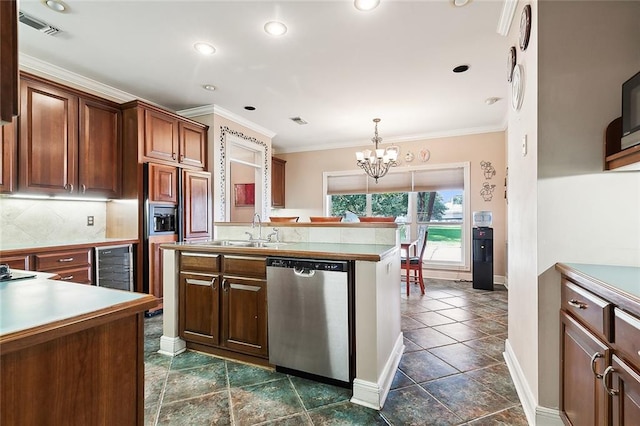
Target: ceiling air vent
{"points": [[37, 24], [298, 120]]}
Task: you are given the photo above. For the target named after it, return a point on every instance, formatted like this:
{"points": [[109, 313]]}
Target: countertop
{"points": [[331, 251], [17, 247], [34, 303], [619, 280]]}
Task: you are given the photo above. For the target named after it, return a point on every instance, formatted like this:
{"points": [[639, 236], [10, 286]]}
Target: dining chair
{"points": [[325, 218], [283, 218], [415, 265]]}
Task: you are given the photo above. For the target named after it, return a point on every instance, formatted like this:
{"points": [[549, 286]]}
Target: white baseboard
{"points": [[172, 346], [457, 275], [373, 395], [536, 415]]}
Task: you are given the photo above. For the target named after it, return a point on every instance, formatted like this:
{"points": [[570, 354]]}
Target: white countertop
{"points": [[29, 303]]}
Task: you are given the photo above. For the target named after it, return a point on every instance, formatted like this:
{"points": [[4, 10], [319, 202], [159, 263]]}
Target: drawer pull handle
{"points": [[577, 304], [70, 277], [224, 287], [202, 282], [612, 392], [594, 357], [66, 259]]}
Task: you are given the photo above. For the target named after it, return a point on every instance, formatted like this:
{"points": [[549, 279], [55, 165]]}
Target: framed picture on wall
{"points": [[245, 194]]}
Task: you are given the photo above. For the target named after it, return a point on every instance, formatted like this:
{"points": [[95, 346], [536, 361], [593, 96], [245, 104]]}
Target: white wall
{"points": [[569, 210]]}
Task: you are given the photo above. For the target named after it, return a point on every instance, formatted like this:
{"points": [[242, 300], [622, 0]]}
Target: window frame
{"points": [[465, 263]]}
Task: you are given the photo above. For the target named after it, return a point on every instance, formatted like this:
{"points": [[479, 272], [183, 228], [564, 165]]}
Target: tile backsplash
{"points": [[26, 221]]}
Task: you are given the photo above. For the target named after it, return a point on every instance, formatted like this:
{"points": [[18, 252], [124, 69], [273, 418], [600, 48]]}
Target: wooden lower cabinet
{"points": [[625, 386], [599, 352], [584, 400], [69, 265], [22, 262], [220, 310], [245, 315], [154, 277]]}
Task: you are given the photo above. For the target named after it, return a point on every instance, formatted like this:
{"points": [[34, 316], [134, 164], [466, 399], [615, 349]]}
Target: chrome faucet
{"points": [[275, 232]]}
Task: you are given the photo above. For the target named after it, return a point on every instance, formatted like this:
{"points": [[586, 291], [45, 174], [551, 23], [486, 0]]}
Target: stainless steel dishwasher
{"points": [[311, 318]]}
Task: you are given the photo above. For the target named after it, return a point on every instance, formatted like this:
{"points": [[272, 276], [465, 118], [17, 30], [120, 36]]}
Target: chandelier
{"points": [[376, 163]]}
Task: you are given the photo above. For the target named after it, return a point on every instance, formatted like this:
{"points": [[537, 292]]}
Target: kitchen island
{"points": [[71, 353], [376, 303]]}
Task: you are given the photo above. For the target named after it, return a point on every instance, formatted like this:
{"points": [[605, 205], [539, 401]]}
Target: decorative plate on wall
{"points": [[517, 87], [525, 27], [511, 62], [424, 155]]}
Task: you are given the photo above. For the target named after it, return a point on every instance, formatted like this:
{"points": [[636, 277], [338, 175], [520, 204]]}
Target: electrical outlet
{"points": [[89, 220]]}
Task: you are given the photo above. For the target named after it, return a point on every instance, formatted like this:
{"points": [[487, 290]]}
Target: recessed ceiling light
{"points": [[275, 28], [461, 68], [250, 108], [366, 5], [204, 48], [460, 3], [491, 101], [209, 87], [55, 5]]}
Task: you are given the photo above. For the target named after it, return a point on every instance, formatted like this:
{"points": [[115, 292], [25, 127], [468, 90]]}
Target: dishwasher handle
{"points": [[304, 272]]}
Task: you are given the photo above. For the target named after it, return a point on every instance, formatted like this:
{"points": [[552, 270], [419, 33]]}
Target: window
{"points": [[426, 196]]}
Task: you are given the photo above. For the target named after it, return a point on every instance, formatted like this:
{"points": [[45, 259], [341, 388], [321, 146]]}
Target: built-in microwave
{"points": [[631, 112], [162, 219]]}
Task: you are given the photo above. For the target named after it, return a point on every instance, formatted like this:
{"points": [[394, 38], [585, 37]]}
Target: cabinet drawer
{"points": [[53, 261], [627, 336], [80, 275], [17, 262], [246, 266], [202, 262], [593, 311]]}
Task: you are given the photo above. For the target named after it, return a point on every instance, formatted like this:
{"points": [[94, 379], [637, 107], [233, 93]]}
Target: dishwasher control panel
{"points": [[309, 264]]}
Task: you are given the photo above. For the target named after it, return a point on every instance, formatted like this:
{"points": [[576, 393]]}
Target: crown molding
{"points": [[37, 66], [398, 139], [506, 17], [218, 110]]}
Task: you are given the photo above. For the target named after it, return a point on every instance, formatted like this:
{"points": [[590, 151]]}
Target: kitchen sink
{"points": [[242, 243]]}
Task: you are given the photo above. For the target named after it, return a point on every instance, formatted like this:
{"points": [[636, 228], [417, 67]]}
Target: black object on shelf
{"points": [[483, 258]]}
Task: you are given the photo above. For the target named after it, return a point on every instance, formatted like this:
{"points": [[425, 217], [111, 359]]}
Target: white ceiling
{"points": [[337, 67]]}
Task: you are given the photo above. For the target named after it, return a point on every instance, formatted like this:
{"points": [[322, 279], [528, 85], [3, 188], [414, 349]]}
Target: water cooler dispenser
{"points": [[482, 271]]}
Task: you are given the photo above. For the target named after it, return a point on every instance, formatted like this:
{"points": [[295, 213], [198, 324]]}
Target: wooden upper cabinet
{"points": [[160, 136], [48, 139], [8, 166], [100, 149], [163, 183], [9, 93], [197, 205], [277, 182], [193, 144], [70, 142]]}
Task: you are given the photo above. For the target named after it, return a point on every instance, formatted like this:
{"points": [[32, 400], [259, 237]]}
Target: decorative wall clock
{"points": [[511, 62], [517, 87], [525, 27]]}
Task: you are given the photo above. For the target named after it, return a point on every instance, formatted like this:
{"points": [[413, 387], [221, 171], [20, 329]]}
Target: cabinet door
{"points": [[99, 149], [193, 144], [48, 139], [154, 285], [160, 136], [245, 315], [583, 400], [8, 60], [277, 182], [200, 308], [625, 384], [8, 145], [163, 183], [197, 205]]}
